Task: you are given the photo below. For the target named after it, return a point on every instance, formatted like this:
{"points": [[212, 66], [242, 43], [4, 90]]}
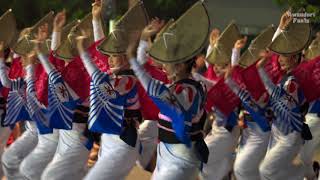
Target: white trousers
{"points": [[278, 163], [222, 145], [176, 162], [70, 159], [115, 161], [4, 135], [252, 150], [33, 165], [17, 151], [148, 133], [309, 148]]}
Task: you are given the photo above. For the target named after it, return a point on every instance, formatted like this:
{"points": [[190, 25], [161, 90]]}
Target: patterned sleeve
{"points": [[154, 88]]}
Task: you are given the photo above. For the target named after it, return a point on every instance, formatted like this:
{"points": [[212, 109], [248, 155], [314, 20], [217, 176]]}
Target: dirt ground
{"points": [[139, 174]]}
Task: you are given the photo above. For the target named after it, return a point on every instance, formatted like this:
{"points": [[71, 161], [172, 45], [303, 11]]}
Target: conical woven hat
{"points": [[8, 31], [222, 50], [261, 42], [24, 44], [184, 38], [134, 20], [292, 40], [313, 50], [67, 50]]}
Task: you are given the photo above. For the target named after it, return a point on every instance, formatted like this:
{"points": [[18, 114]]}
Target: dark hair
{"points": [[7, 53], [191, 63]]}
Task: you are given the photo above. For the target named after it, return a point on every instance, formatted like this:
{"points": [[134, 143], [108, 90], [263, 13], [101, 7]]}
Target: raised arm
{"points": [[6, 82], [239, 44], [96, 21], [286, 18], [58, 23], [85, 57], [41, 37]]}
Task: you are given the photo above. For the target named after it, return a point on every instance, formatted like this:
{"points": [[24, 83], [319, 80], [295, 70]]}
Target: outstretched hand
{"points": [[80, 41], [59, 21], [152, 29], [264, 57], [241, 43], [96, 9], [214, 36], [285, 20]]}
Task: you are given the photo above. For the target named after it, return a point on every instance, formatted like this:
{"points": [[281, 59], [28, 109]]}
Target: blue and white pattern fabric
{"points": [[62, 102], [285, 105], [257, 113], [37, 110], [181, 102], [107, 104], [314, 107], [17, 109]]}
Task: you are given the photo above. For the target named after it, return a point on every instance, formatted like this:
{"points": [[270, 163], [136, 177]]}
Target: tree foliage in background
{"points": [[311, 6], [28, 12]]}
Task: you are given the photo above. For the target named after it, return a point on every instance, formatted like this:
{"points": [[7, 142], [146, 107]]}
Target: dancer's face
{"points": [[220, 70], [117, 62], [287, 63]]}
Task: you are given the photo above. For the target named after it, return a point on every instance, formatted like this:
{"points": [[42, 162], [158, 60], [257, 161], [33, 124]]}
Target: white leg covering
{"points": [[278, 163], [34, 164], [309, 148], [14, 155], [253, 148], [115, 161], [4, 135], [70, 159], [175, 162], [222, 145], [148, 132]]}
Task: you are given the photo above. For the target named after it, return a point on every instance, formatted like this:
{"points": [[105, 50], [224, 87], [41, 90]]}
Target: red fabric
{"points": [[41, 78], [249, 78], [10, 139], [156, 72], [41, 84], [15, 71], [98, 58], [77, 78], [308, 77], [210, 74], [273, 69], [222, 98], [148, 109]]}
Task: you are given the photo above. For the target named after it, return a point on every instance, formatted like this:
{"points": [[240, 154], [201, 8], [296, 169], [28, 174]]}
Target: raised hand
{"points": [[96, 10], [29, 59], [59, 21], [43, 33], [264, 57], [80, 41], [214, 36], [152, 29], [286, 18], [241, 43], [228, 72]]}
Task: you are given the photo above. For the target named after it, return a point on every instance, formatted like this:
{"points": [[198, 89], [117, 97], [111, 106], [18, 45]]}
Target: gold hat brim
{"points": [[261, 42], [183, 39], [133, 21], [8, 31], [24, 44], [292, 40], [67, 50], [222, 50], [313, 50]]}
